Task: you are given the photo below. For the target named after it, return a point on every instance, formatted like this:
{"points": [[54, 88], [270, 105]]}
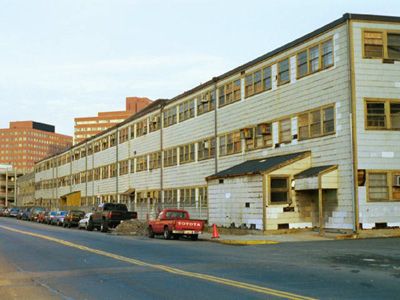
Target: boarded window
{"points": [[285, 134], [378, 186], [373, 44]]}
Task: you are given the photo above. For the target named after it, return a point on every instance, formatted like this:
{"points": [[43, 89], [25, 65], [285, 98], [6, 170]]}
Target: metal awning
{"points": [[258, 166], [128, 192], [324, 177], [65, 196]]}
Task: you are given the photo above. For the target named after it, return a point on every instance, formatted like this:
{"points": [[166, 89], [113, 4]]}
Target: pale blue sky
{"points": [[62, 59]]}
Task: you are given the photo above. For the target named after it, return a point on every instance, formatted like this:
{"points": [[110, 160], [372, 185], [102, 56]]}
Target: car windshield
{"points": [[112, 206], [53, 213], [175, 214], [15, 210], [63, 213]]}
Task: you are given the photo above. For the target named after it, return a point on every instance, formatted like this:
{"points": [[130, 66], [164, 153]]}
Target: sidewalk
{"points": [[300, 236]]}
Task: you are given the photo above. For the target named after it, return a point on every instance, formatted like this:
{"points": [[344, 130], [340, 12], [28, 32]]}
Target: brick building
{"points": [[87, 127], [27, 142]]}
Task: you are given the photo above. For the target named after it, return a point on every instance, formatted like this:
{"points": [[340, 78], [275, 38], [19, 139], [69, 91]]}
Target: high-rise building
{"points": [[87, 127], [27, 142]]}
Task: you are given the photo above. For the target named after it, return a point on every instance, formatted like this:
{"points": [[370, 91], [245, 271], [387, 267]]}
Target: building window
{"points": [[97, 173], [261, 137], [206, 149], [113, 139], [170, 157], [170, 198], [83, 152], [123, 167], [315, 58], [203, 196], [113, 170], [279, 190], [90, 149], [285, 131], [206, 102], [104, 143], [283, 71], [141, 128], [170, 117], [132, 162], [123, 135], [186, 154], [90, 175], [229, 93], [155, 160], [381, 44], [154, 123], [132, 130], [104, 172], [83, 177], [230, 143], [186, 110], [77, 154], [316, 123], [141, 163], [384, 185], [382, 114], [187, 197]]}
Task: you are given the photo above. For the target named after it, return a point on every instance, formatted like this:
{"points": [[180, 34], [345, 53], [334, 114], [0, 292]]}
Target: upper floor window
{"points": [[315, 58], [381, 44], [283, 71], [285, 131], [206, 102], [123, 135], [113, 139], [230, 143], [141, 128], [383, 185], [316, 123], [155, 160], [104, 143], [132, 130], [141, 163], [154, 123], [186, 110], [259, 137], [229, 93], [206, 149], [186, 153], [170, 157], [382, 114], [170, 117]]}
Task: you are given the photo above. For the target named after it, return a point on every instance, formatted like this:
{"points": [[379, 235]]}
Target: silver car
{"points": [[83, 223]]}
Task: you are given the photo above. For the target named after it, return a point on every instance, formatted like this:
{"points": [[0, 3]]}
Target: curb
{"points": [[243, 243], [365, 236]]}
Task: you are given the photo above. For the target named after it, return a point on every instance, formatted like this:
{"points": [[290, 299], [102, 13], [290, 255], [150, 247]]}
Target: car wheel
{"points": [[89, 226], [151, 232], [64, 225], [69, 225], [167, 233], [194, 237], [103, 226]]}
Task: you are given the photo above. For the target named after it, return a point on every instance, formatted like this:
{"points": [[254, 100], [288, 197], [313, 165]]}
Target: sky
{"points": [[62, 59]]}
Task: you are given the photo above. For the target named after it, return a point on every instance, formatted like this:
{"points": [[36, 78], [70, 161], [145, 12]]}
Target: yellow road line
{"points": [[237, 284]]}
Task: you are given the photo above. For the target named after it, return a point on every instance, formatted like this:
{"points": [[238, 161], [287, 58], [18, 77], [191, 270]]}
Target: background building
{"points": [[27, 142], [87, 127], [26, 190], [8, 185]]}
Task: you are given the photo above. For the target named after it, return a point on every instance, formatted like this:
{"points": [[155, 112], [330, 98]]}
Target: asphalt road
{"points": [[36, 259]]}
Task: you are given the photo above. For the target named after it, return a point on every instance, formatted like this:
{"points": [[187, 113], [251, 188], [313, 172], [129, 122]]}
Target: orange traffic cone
{"points": [[215, 232]]}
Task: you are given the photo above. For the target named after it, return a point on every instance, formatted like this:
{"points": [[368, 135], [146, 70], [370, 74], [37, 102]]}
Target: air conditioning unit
{"points": [[206, 144], [246, 133], [204, 99], [264, 128], [154, 120], [397, 180]]}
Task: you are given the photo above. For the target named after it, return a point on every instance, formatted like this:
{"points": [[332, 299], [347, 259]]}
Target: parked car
{"points": [[83, 223], [2, 212], [13, 212], [20, 213], [109, 215], [58, 219], [175, 223], [34, 213], [49, 217], [27, 211], [42, 216], [72, 218]]}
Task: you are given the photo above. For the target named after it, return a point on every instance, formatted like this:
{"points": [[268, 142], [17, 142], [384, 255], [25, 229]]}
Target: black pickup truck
{"points": [[109, 215]]}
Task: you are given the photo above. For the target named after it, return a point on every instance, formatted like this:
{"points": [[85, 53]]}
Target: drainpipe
{"points": [[86, 175], [352, 123], [116, 163], [162, 155], [215, 79]]}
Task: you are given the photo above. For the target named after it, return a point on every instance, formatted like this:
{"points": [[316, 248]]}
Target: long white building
{"points": [[304, 136]]}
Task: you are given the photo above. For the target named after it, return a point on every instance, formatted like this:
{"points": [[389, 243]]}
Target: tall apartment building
{"points": [[8, 185], [86, 127], [27, 142], [307, 135]]}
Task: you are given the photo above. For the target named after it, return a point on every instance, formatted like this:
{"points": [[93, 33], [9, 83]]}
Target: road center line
{"points": [[237, 284]]}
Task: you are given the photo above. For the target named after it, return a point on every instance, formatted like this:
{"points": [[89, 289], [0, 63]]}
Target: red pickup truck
{"points": [[175, 223]]}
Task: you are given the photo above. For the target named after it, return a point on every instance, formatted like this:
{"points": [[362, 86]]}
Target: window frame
{"points": [[170, 116], [281, 141], [210, 103], [187, 110], [322, 122], [186, 155], [170, 157], [390, 186], [201, 150], [234, 141], [388, 115], [279, 75], [384, 32], [279, 190]]}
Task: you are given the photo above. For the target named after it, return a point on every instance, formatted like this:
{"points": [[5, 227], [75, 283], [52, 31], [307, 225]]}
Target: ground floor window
{"points": [[383, 185], [279, 190]]}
